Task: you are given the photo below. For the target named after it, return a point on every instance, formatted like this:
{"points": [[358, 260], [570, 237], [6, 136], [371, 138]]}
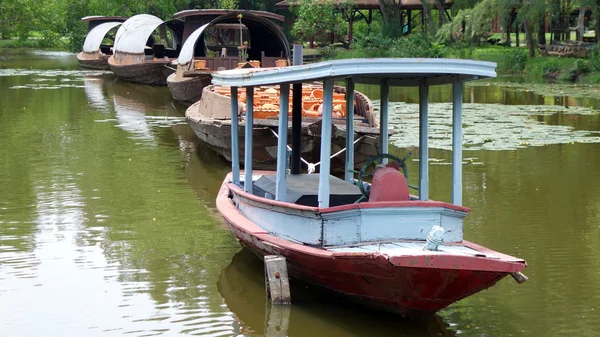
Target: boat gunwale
{"points": [[501, 263], [201, 12], [321, 210]]}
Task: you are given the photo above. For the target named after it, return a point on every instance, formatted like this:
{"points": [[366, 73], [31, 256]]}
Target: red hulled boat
{"points": [[373, 242]]}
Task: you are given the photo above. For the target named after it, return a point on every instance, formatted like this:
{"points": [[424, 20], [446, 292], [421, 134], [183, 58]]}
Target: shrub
{"points": [[594, 58], [515, 60]]}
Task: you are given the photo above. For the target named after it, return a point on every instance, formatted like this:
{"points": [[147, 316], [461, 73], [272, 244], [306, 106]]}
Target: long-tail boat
{"points": [[95, 54], [143, 57], [210, 118], [212, 38], [373, 242]]}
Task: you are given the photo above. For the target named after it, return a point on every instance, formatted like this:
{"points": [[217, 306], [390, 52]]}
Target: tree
{"points": [[316, 18]]}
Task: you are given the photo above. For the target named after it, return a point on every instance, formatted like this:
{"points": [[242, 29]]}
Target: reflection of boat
{"points": [[95, 54], [373, 243], [94, 92], [141, 57], [241, 285], [211, 120], [218, 33], [133, 104]]}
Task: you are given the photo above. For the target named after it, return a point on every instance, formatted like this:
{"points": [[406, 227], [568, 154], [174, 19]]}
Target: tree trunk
{"points": [[597, 17], [390, 13], [508, 42], [445, 19], [517, 35], [580, 21], [529, 38], [542, 31], [427, 14]]}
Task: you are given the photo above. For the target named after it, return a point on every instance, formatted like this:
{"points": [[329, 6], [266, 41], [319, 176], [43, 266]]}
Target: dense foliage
{"points": [[58, 22]]}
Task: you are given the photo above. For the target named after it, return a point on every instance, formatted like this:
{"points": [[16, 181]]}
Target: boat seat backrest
{"points": [[389, 184], [158, 50]]}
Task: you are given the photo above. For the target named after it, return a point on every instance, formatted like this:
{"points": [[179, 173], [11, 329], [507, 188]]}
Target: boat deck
{"points": [[415, 248], [412, 248]]}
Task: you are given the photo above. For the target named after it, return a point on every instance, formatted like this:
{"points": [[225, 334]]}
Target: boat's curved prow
{"points": [[94, 55]]}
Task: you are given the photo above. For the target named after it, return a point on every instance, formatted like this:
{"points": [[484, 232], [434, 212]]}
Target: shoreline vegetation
{"points": [[502, 31], [511, 61]]}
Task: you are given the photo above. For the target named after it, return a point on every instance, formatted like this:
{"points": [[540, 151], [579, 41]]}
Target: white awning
{"points": [[94, 38], [134, 33], [187, 51]]}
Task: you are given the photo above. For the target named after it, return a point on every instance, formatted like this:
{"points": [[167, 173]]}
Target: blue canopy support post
{"points": [[235, 138], [248, 136], [297, 115], [324, 171], [423, 141], [282, 142], [383, 117], [457, 89], [349, 130]]}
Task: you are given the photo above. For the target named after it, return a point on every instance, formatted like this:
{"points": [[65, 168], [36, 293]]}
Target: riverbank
{"points": [[511, 61]]}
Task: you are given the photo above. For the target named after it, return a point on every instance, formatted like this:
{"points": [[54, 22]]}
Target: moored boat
{"points": [[210, 118], [95, 54], [139, 56], [372, 242], [211, 40]]}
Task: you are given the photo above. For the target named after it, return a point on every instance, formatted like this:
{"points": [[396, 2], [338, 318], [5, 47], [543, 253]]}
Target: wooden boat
{"points": [[138, 57], [210, 118], [372, 242], [580, 50], [95, 54], [217, 32]]}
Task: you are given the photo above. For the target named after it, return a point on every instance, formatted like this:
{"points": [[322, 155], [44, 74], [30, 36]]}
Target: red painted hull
{"points": [[404, 285]]}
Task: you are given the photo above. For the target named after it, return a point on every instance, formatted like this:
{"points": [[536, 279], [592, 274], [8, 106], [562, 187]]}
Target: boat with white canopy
{"points": [[97, 47]]}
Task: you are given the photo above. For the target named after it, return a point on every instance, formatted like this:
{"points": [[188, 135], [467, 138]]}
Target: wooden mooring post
{"points": [[276, 280]]}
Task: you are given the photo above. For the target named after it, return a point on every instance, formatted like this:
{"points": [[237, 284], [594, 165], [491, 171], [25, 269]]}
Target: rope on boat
{"points": [[312, 168]]}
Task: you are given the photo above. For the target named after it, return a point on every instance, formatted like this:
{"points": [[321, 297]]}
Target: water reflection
{"points": [[99, 234], [94, 91], [241, 284]]}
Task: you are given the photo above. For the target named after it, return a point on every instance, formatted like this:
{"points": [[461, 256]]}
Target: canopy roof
{"points": [[371, 4], [397, 71], [103, 18], [219, 12], [134, 33], [94, 38], [265, 35]]}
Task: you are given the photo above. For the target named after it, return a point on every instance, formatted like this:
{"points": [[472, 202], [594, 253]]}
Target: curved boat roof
{"points": [[271, 36], [396, 71], [134, 33], [94, 38], [219, 12], [103, 18]]}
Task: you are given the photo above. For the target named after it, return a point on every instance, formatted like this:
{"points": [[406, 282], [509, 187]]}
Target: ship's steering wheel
{"points": [[378, 159]]}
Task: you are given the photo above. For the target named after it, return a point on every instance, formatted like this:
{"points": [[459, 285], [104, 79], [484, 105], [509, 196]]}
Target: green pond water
{"points": [[108, 223]]}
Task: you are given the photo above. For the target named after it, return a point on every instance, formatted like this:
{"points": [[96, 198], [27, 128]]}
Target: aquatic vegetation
{"points": [[488, 126]]}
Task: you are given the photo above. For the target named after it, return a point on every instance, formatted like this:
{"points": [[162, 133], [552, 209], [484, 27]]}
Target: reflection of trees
{"points": [[164, 240], [241, 284]]}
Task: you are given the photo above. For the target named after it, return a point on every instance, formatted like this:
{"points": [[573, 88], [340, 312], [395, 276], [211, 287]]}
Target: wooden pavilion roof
{"points": [[371, 4]]}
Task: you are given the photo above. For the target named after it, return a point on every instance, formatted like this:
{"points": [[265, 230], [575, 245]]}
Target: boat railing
{"points": [[420, 73]]}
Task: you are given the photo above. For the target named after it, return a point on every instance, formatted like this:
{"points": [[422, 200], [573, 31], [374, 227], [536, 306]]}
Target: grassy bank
{"points": [[511, 61], [36, 41]]}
